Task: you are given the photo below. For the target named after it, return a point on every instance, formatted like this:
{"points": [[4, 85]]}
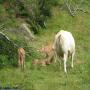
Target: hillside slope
{"points": [[53, 77]]}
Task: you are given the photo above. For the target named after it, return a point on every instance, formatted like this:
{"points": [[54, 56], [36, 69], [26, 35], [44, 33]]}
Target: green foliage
{"points": [[8, 49], [35, 12], [3, 60], [1, 1]]}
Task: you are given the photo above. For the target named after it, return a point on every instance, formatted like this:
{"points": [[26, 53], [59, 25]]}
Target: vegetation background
{"points": [[44, 18]]}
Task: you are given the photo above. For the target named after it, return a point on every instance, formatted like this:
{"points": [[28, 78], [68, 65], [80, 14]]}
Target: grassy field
{"points": [[52, 77]]}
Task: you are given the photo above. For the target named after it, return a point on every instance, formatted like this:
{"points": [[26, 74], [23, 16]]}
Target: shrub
{"points": [[35, 12], [7, 51]]}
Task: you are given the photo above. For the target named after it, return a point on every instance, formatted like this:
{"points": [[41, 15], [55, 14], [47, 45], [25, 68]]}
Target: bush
{"points": [[35, 12], [7, 51]]}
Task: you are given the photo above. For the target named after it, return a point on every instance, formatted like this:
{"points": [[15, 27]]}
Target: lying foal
{"points": [[41, 62], [44, 62]]}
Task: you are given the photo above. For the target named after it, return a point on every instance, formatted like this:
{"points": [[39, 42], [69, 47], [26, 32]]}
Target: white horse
{"points": [[64, 46]]}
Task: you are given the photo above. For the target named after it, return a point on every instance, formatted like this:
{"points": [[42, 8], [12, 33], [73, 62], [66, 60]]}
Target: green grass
{"points": [[52, 77]]}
